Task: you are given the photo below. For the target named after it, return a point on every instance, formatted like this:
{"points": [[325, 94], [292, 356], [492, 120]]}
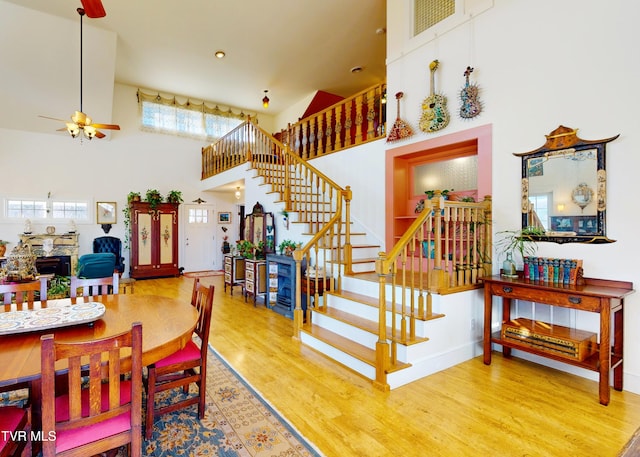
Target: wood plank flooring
{"points": [[510, 408]]}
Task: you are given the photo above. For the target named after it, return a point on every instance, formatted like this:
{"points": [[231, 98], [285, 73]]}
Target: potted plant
{"points": [[445, 193], [133, 197], [59, 287], [246, 249], [287, 247], [154, 198], [517, 242], [174, 196]]}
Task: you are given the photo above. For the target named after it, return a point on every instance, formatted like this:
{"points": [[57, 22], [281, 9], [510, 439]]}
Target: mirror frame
{"points": [[559, 141]]}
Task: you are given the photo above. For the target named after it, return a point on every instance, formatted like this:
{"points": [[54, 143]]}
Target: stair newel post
{"points": [[287, 182], [347, 195], [382, 345], [298, 317], [486, 252], [248, 128]]}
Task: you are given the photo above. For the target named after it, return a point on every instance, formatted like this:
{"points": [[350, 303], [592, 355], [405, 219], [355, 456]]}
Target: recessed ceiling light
{"points": [[220, 54], [356, 69]]}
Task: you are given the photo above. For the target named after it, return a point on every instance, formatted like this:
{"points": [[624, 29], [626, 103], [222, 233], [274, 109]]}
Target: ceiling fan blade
{"points": [[52, 118], [99, 134], [106, 126], [93, 8], [63, 129]]}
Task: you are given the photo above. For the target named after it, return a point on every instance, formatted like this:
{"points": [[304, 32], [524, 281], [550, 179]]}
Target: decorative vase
{"points": [[509, 266], [3, 249]]}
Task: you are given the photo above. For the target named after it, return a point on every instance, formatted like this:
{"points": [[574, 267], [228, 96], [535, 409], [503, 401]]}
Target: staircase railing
{"points": [[446, 250], [317, 201], [351, 122]]}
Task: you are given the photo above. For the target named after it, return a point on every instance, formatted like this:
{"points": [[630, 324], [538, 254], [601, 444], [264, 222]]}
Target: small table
{"points": [[127, 284], [310, 286], [604, 297]]}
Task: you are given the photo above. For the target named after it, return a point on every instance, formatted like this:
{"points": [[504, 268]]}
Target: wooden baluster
{"points": [[358, 120], [371, 114], [328, 132], [319, 136], [348, 124], [337, 141]]}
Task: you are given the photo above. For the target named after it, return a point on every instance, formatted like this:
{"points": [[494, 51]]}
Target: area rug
{"points": [[238, 422], [203, 274]]}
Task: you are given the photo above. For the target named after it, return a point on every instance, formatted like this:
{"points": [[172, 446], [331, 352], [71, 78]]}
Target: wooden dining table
{"points": [[167, 326]]}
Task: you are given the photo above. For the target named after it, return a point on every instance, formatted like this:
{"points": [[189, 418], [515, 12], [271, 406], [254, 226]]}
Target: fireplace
{"points": [[59, 265], [282, 283]]}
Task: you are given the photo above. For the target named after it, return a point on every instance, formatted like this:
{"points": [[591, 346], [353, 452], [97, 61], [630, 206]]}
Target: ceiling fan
{"points": [[80, 122]]}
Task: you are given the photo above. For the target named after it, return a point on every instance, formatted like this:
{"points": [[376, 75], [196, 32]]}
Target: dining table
{"points": [[167, 326]]}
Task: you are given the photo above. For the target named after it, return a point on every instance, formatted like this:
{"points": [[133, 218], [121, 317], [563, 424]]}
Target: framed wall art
{"points": [[224, 217], [106, 212]]}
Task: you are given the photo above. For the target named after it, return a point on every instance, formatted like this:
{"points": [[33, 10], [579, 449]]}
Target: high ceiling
{"points": [[292, 48]]}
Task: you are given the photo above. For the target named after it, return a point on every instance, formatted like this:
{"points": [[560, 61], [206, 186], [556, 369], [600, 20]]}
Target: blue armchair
{"points": [[113, 245], [101, 265]]}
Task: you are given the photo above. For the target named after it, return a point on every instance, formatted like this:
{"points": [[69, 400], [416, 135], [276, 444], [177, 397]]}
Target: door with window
{"points": [[199, 239]]}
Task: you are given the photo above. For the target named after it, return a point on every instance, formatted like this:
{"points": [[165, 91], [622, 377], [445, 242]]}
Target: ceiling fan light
{"points": [[89, 131], [73, 129]]}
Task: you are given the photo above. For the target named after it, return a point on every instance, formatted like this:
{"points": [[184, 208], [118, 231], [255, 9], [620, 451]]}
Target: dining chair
{"points": [[95, 286], [184, 367], [22, 292], [100, 413], [15, 424]]}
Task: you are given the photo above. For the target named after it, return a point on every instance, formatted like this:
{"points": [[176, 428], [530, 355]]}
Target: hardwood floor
{"points": [[510, 408]]}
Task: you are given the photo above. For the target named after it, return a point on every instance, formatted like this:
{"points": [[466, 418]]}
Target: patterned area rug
{"points": [[203, 274], [238, 422]]}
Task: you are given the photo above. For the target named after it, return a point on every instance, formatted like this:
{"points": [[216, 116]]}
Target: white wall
{"points": [[540, 65]]}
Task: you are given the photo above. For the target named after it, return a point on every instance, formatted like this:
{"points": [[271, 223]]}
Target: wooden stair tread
{"points": [[364, 324], [358, 351], [373, 302]]}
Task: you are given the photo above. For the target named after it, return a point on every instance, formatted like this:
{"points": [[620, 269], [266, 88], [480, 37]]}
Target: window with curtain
{"points": [[193, 120], [428, 13]]}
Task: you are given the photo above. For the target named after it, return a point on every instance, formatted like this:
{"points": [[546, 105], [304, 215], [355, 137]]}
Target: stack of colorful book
{"points": [[547, 269]]}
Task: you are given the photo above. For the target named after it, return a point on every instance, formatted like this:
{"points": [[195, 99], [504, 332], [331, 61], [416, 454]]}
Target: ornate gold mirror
{"points": [[564, 188]]}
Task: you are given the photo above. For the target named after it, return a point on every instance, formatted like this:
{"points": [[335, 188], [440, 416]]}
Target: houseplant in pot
{"points": [[516, 243], [174, 196], [154, 198]]}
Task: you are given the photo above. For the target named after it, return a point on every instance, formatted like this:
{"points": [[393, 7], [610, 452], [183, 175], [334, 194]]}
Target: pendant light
{"points": [[265, 99]]}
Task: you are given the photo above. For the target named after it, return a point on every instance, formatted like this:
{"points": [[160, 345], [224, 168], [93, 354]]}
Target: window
{"points": [[198, 216], [540, 205], [194, 120], [428, 13], [43, 209]]}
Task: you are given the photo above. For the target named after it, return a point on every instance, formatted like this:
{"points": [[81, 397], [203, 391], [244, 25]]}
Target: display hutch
{"points": [[234, 271], [154, 240], [255, 282], [260, 229]]}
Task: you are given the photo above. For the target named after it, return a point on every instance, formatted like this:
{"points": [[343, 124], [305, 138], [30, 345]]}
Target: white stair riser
{"points": [[360, 336], [347, 360]]}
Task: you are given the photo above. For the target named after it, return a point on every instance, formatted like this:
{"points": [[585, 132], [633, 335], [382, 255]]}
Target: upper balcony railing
{"points": [[353, 121]]}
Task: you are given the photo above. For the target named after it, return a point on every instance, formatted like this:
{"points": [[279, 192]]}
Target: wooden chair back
{"points": [[93, 403], [24, 292], [92, 287], [202, 299], [15, 420], [187, 366]]}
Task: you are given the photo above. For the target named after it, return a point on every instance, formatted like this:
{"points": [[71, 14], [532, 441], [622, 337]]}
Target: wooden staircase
{"points": [[381, 314]]}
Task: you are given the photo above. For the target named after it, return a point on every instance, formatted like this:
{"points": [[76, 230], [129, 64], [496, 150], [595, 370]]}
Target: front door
{"points": [[199, 238]]}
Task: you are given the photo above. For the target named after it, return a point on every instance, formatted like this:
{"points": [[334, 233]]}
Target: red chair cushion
{"points": [[77, 437], [10, 417], [190, 352]]}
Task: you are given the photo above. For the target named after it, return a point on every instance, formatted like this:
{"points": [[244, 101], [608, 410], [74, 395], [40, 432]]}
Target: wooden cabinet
{"points": [[563, 344], [234, 271], [154, 240], [260, 229], [255, 282]]}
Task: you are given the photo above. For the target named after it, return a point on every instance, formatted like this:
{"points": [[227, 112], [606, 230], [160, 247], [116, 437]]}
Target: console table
{"points": [[605, 297]]}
